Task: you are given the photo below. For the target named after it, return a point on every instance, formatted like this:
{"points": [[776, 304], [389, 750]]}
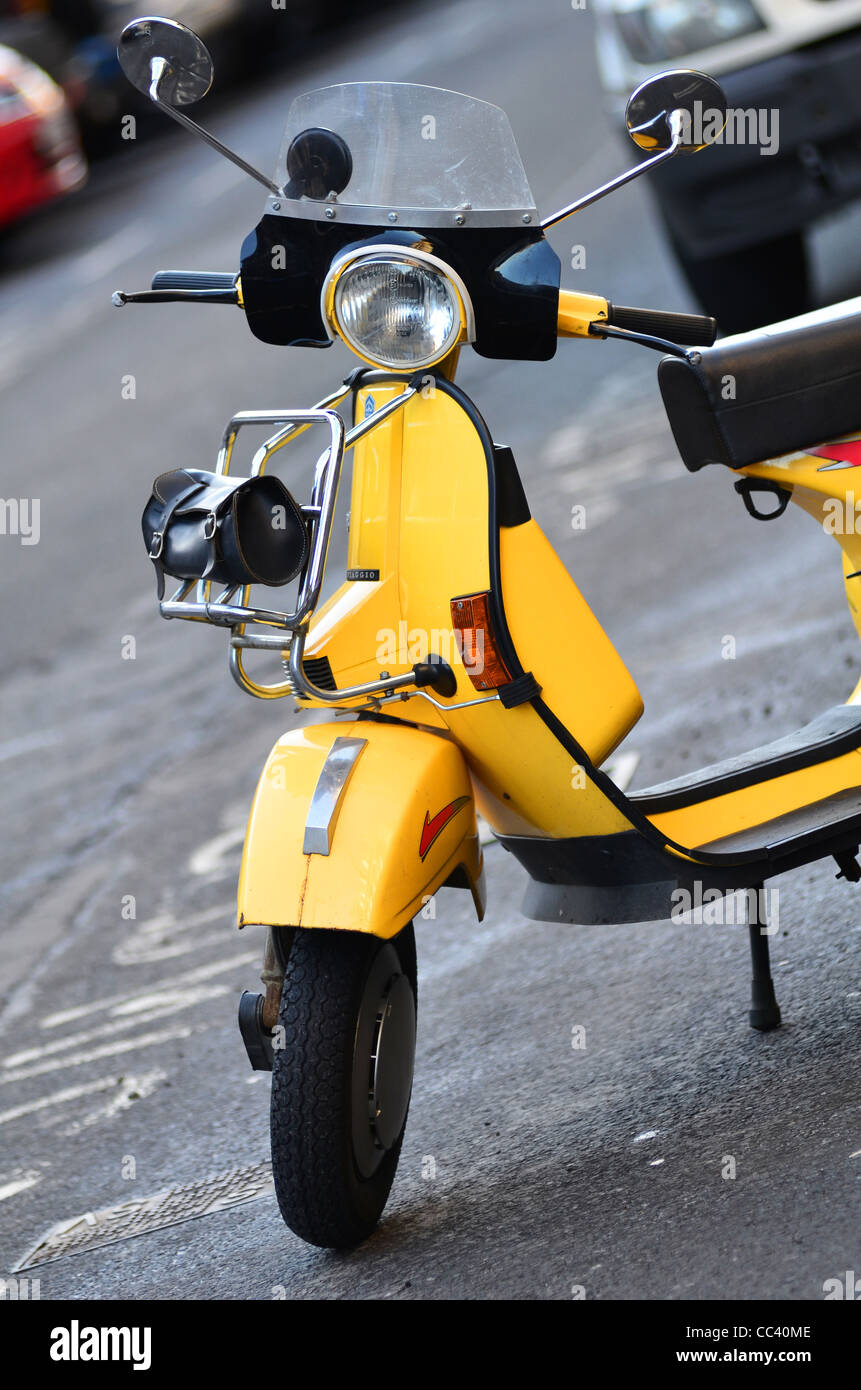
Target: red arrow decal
{"points": [[849, 452], [432, 829]]}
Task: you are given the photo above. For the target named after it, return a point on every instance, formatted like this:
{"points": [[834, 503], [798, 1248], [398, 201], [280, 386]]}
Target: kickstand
{"points": [[764, 1011]]}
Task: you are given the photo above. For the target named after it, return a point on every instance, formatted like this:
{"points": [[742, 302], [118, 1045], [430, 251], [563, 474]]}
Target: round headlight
{"points": [[398, 311]]}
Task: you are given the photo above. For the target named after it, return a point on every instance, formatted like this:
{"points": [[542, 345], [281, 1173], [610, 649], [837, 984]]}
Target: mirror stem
{"points": [[676, 122], [158, 68]]}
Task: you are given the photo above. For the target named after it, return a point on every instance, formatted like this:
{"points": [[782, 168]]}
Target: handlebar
{"points": [[583, 315], [579, 316], [689, 330], [187, 287]]}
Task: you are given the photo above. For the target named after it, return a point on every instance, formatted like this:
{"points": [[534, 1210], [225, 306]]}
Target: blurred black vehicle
{"points": [[737, 221]]}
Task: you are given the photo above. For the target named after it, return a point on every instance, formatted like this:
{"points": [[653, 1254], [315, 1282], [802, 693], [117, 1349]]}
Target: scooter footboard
{"points": [[355, 826]]}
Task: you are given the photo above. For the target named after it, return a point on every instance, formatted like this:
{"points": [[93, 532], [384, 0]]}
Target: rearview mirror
{"points": [[700, 100], [171, 65], [166, 61]]}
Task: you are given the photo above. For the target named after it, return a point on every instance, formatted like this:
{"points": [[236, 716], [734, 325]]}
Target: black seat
{"points": [[778, 390]]}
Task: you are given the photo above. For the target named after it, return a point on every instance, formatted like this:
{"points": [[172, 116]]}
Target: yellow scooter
{"points": [[467, 669]]}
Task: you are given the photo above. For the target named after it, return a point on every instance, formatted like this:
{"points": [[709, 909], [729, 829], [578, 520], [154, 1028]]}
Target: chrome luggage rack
{"points": [[194, 599]]}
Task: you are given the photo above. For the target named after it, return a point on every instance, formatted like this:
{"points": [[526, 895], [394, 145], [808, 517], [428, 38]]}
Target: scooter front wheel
{"points": [[341, 1080]]}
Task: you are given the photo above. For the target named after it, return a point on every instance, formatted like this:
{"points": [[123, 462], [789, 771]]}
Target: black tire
{"points": [[752, 287], [332, 1161]]}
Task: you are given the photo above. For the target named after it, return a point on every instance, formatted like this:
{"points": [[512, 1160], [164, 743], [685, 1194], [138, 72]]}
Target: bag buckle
{"points": [[157, 545], [210, 526]]}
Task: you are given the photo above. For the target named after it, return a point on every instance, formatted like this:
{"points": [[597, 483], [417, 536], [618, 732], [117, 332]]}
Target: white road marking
{"points": [[155, 939], [96, 1054], [130, 1089], [64, 1097], [181, 999], [201, 972], [9, 1189], [138, 953], [30, 743], [208, 860], [165, 1001]]}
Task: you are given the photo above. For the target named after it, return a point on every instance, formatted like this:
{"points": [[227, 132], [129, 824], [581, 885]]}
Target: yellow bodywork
{"points": [[578, 311], [833, 497], [374, 879], [829, 496], [418, 539], [417, 517], [418, 513]]}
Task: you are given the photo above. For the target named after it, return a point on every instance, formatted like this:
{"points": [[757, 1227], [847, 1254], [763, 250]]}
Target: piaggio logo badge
{"points": [[432, 829]]}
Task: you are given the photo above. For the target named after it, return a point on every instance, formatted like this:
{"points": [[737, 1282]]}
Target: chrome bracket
{"points": [[195, 601]]}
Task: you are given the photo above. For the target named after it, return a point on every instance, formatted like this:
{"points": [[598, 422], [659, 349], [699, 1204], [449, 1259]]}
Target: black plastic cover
{"points": [[512, 278]]}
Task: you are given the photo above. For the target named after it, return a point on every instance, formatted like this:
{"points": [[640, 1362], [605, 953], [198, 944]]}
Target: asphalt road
{"points": [[530, 1169]]}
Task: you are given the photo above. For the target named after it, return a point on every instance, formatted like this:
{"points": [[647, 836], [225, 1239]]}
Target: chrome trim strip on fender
{"points": [[328, 794]]}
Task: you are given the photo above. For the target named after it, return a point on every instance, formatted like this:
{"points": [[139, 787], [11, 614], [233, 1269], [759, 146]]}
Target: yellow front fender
{"points": [[403, 824]]}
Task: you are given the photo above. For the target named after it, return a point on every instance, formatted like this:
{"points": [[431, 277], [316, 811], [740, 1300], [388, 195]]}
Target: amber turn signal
{"points": [[470, 618]]}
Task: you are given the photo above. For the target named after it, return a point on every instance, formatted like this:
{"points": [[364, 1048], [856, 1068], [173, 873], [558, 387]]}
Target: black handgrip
{"points": [[691, 330], [195, 280]]}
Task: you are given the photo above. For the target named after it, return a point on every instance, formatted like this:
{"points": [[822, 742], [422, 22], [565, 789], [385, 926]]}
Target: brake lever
{"points": [[606, 330], [120, 298]]}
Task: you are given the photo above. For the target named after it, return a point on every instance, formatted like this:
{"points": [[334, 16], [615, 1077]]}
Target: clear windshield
{"points": [[413, 148]]}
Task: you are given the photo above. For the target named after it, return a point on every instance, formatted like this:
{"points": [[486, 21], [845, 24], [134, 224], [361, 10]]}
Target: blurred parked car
{"points": [[40, 152], [737, 220], [76, 40]]}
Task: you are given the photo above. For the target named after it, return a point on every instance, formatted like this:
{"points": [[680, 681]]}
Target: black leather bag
{"points": [[200, 525]]}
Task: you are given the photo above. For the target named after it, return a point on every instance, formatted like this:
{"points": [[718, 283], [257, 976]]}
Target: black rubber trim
{"points": [[520, 691], [511, 504], [586, 905], [832, 734], [194, 280], [376, 717], [596, 860], [611, 879]]}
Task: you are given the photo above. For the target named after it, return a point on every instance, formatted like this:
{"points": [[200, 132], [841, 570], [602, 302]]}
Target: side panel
{"points": [[405, 823], [560, 640], [719, 816], [826, 483], [419, 517]]}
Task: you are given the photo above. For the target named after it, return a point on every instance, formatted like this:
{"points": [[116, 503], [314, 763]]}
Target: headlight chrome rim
{"points": [[463, 328]]}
